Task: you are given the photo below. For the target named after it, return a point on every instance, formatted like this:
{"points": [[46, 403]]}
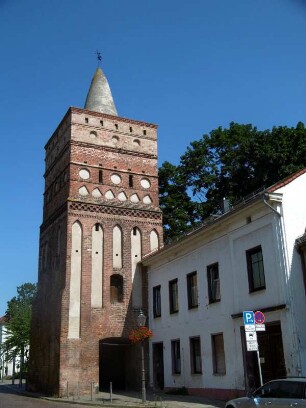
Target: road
{"points": [[9, 399]]}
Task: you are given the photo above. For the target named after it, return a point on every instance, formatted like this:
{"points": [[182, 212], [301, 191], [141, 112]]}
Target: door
{"points": [[113, 361], [271, 357], [271, 352], [158, 366]]}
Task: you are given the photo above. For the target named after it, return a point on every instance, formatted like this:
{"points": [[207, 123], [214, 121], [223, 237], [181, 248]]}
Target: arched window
{"points": [[58, 244], [45, 255], [116, 288]]}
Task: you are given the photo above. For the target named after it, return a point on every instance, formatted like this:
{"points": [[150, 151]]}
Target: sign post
{"points": [[253, 322]]}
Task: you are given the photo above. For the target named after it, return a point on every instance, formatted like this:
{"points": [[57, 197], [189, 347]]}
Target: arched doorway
{"points": [[115, 363]]}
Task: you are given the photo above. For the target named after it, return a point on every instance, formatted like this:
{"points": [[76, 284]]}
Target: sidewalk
{"points": [[127, 399]]}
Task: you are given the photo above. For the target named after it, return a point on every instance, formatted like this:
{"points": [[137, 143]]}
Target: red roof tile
{"points": [[286, 180]]}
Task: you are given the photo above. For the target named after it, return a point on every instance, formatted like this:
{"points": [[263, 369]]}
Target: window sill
{"points": [[193, 307], [211, 302], [174, 312], [257, 290]]}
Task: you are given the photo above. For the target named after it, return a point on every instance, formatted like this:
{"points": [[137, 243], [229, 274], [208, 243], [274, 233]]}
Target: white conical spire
{"points": [[99, 97]]}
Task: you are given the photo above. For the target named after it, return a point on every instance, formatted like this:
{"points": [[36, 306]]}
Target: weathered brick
{"points": [[55, 359]]}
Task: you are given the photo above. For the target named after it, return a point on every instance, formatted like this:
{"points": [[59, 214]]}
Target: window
{"points": [[269, 390], [58, 246], [255, 269], [218, 353], [213, 283], [116, 125], [176, 356], [116, 288], [156, 301], [144, 132], [131, 180], [293, 390], [192, 290], [100, 176], [173, 296], [195, 355], [45, 256], [131, 129]]}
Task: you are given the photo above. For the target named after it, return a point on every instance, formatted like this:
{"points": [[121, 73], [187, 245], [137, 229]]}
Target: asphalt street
{"points": [[9, 399]]}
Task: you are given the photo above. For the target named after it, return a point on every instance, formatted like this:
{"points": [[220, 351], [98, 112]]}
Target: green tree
{"points": [[230, 163], [178, 208], [18, 322]]}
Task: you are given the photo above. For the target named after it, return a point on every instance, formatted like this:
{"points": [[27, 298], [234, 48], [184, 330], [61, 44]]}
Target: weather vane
{"points": [[99, 57]]}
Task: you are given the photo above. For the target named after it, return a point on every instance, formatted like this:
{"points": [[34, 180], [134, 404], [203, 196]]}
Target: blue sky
{"points": [[188, 66]]}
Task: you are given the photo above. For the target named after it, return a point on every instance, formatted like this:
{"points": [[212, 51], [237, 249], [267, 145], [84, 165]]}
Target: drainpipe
{"points": [[287, 289], [266, 195]]}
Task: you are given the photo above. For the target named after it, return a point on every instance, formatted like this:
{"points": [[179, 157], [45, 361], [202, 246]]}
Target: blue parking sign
{"points": [[248, 317]]}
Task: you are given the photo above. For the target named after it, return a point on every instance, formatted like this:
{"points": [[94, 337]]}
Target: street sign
{"points": [[259, 317], [252, 346], [251, 336], [249, 327], [248, 317], [253, 322]]}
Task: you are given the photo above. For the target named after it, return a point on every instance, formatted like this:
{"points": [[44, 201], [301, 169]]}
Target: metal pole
{"points": [[143, 376], [91, 391], [67, 389], [111, 391], [259, 368]]}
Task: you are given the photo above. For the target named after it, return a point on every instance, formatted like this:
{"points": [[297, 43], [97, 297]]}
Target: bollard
{"points": [[111, 391]]}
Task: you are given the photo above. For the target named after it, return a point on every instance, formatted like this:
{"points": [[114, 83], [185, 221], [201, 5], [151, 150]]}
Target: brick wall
{"points": [[97, 143]]}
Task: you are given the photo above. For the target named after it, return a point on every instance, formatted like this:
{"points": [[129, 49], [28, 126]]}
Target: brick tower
{"points": [[100, 217]]}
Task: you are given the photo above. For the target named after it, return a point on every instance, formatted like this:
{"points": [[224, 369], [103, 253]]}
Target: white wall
{"points": [[227, 246], [7, 366], [294, 225]]}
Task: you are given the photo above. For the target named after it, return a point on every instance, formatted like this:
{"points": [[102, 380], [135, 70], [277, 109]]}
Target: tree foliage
{"points": [[18, 321], [226, 163], [175, 203]]}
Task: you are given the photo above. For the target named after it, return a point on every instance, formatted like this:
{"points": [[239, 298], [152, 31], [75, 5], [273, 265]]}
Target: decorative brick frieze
{"points": [[114, 150], [107, 209]]}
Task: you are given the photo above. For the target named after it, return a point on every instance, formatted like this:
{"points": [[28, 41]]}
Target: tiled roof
{"points": [[301, 240], [286, 180], [251, 197], [2, 320]]}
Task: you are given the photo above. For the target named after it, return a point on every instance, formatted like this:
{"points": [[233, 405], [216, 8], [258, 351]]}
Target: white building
{"points": [[247, 259], [6, 365]]}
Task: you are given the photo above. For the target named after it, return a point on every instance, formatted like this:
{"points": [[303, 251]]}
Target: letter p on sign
{"points": [[248, 317]]}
